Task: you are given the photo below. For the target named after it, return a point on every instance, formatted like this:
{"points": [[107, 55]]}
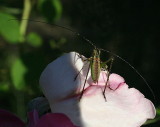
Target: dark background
{"points": [[128, 28]]}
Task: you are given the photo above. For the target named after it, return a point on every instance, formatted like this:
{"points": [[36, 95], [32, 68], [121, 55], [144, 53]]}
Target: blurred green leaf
{"points": [[34, 39], [158, 111], [9, 29], [57, 44], [18, 71], [62, 41], [58, 8], [53, 44], [4, 86], [50, 9]]}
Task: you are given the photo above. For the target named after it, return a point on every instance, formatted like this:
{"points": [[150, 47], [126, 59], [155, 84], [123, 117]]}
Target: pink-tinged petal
{"points": [[124, 107], [33, 118], [55, 120], [8, 119], [115, 81]]}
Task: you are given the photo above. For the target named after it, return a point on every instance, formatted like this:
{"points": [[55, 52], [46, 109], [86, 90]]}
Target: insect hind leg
{"points": [[84, 84], [78, 73], [108, 74]]}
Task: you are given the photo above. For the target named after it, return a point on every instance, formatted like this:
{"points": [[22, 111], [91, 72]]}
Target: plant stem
{"points": [[24, 21]]}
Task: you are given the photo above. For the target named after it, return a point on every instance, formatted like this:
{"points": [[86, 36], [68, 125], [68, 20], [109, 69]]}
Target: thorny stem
{"points": [[24, 23]]}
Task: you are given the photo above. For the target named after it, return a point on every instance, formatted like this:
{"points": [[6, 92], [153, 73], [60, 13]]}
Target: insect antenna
{"points": [[52, 24], [92, 44], [134, 70]]}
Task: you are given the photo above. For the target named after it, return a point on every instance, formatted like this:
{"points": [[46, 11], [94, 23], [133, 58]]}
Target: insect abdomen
{"points": [[95, 69]]}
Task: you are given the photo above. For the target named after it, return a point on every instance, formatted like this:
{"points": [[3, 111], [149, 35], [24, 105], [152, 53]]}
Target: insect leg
{"points": [[87, 59], [108, 74], [79, 57], [79, 72], [84, 83], [75, 60], [81, 68]]}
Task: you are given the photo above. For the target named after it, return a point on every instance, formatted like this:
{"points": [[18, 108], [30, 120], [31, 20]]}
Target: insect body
{"points": [[96, 66]]}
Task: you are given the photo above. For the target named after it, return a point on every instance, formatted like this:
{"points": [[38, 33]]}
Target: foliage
{"points": [[9, 30], [22, 51], [50, 9], [18, 71], [34, 39]]}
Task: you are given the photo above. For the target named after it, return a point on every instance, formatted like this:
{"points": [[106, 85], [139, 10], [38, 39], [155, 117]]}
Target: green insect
{"points": [[96, 66], [95, 63]]}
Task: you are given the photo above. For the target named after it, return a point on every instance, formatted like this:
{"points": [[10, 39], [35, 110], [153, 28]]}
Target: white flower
{"points": [[125, 107]]}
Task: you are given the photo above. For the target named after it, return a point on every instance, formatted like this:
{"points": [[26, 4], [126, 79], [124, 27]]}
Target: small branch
{"points": [[24, 23]]}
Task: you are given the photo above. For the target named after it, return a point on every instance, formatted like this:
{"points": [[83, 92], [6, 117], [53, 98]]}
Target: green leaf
{"points": [[57, 44], [158, 110], [9, 29], [50, 9], [53, 44], [58, 9], [4, 86], [34, 39], [18, 71]]}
